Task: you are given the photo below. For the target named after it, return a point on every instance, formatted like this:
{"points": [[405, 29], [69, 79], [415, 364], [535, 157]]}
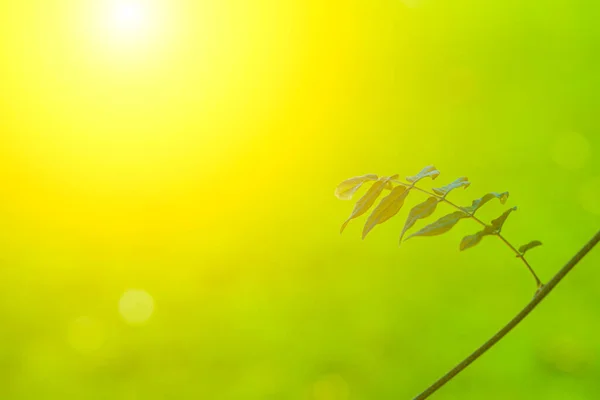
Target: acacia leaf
{"points": [[386, 209], [440, 226], [426, 172], [460, 182], [364, 203], [420, 211], [346, 189], [526, 247], [478, 203], [499, 222]]}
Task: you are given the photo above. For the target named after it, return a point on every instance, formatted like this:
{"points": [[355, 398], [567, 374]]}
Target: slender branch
{"points": [[540, 295], [480, 222], [522, 257]]}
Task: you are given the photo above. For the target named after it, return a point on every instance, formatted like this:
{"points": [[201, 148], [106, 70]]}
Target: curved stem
{"points": [[522, 257], [480, 222], [540, 295]]}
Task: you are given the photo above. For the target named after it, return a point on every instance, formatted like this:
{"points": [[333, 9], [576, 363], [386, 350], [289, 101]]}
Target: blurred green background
{"points": [[169, 229]]}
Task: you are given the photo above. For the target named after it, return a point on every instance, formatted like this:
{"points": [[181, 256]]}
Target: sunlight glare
{"points": [[130, 19], [129, 15]]}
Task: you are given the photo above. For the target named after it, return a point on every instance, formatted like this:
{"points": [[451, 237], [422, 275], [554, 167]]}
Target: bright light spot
{"points": [[129, 19], [589, 196], [571, 150], [129, 15], [86, 335], [136, 306]]}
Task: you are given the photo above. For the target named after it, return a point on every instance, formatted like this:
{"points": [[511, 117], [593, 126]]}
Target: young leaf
{"points": [[386, 209], [420, 211], [364, 203], [440, 226], [346, 189], [526, 247], [477, 204], [473, 240], [426, 172], [460, 182], [499, 222]]}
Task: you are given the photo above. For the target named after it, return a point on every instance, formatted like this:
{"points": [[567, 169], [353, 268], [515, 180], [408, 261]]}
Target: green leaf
{"points": [[444, 190], [346, 189], [426, 172], [364, 203], [473, 240], [499, 222], [526, 247], [386, 209], [420, 211], [477, 204], [440, 226]]}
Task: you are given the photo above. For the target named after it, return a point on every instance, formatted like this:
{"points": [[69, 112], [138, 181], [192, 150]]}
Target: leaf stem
{"points": [[539, 296], [480, 222], [522, 257]]}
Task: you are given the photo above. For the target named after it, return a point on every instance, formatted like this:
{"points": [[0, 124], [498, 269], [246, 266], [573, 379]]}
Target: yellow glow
{"points": [[131, 24], [129, 17], [126, 112]]}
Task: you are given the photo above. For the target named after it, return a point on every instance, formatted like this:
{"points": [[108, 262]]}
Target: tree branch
{"points": [[540, 295], [471, 215]]}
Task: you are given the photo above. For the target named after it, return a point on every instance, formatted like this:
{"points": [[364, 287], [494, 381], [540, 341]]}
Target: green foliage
{"points": [[442, 225], [444, 190], [428, 172], [364, 203], [390, 205], [473, 240], [498, 223], [387, 208], [478, 203], [493, 229], [346, 189], [526, 247], [420, 211]]}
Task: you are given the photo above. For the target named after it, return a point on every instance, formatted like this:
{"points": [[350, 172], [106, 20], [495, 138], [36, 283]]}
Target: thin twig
{"points": [[522, 257], [480, 222], [540, 295]]}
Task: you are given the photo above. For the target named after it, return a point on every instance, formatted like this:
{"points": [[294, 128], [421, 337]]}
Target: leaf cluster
{"points": [[390, 205]]}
